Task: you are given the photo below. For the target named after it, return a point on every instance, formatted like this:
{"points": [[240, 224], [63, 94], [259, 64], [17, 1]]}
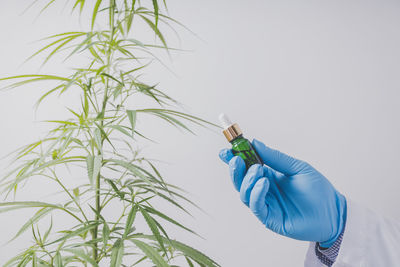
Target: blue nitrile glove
{"points": [[289, 196]]}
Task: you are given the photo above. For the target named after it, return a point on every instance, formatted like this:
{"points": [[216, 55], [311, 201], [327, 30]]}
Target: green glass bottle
{"points": [[240, 146]]}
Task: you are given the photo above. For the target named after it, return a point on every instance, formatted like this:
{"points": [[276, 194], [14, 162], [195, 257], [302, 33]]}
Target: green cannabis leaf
{"points": [[98, 137]]}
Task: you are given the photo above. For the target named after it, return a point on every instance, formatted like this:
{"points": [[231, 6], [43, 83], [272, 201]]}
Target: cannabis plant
{"points": [[102, 139]]}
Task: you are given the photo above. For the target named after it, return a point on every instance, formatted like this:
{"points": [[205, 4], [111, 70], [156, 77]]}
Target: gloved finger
{"points": [[278, 160], [271, 173], [257, 199], [226, 155], [254, 173], [237, 170]]}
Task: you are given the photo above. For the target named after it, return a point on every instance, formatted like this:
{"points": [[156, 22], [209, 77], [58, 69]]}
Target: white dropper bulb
{"points": [[225, 121]]}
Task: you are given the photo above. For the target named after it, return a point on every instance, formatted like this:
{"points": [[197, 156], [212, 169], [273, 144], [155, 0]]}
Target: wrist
{"points": [[328, 255], [342, 214]]}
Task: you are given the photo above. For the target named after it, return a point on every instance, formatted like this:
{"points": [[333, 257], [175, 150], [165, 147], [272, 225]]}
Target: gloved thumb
{"points": [[226, 155], [278, 160]]}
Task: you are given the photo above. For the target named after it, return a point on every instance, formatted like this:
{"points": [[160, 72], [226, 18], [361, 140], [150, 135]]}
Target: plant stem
{"points": [[102, 114], [69, 194], [98, 181], [112, 229]]}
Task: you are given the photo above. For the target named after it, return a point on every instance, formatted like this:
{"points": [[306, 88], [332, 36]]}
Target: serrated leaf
{"points": [[103, 133], [47, 233], [106, 234], [58, 260], [120, 129], [86, 104], [95, 11], [97, 161], [156, 30], [132, 119], [155, 6], [112, 78], [154, 228], [196, 255], [35, 218], [34, 260], [89, 167], [7, 206], [188, 251], [135, 170], [130, 16], [130, 219], [167, 218], [151, 253], [81, 2], [189, 262], [115, 188], [111, 13], [77, 232], [70, 36], [82, 254], [97, 139], [137, 42], [37, 77], [117, 253]]}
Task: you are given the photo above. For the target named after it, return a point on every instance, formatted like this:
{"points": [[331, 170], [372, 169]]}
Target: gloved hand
{"points": [[289, 196]]}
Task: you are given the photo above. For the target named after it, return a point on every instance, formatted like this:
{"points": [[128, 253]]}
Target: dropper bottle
{"points": [[240, 146]]}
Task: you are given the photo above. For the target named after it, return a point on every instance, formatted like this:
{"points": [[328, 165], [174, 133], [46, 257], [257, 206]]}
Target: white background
{"points": [[316, 79]]}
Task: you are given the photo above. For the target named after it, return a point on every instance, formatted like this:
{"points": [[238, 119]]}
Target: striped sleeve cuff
{"points": [[328, 256]]}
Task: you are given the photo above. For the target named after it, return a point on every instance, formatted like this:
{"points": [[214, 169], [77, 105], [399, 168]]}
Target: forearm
{"points": [[369, 240]]}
